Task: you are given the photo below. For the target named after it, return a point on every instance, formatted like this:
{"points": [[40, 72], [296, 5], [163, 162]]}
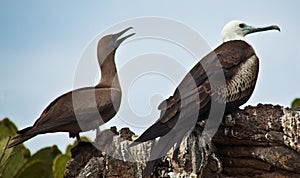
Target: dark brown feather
{"points": [[230, 55]]}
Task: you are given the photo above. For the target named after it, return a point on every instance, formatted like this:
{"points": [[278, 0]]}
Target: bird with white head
{"points": [[237, 30], [236, 60]]}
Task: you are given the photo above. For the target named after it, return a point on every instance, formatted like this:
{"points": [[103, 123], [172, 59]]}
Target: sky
{"points": [[43, 44]]}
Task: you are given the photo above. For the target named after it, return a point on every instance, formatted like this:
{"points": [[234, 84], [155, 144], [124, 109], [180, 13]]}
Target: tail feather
{"points": [[160, 150], [165, 143], [19, 139], [22, 137], [156, 130], [24, 130], [150, 166]]}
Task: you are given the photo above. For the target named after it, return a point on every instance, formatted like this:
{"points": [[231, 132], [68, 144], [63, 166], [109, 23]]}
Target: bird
{"points": [[235, 62], [85, 108]]}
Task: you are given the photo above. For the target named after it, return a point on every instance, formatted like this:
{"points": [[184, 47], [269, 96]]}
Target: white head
{"points": [[237, 30]]}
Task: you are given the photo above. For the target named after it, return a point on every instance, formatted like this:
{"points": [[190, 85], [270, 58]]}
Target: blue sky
{"points": [[41, 44]]}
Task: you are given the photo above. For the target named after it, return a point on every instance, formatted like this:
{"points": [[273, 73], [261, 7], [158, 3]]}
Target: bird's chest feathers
{"points": [[244, 80]]}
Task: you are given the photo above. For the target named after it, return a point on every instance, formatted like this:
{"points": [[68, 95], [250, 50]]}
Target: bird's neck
{"points": [[109, 75], [233, 37]]}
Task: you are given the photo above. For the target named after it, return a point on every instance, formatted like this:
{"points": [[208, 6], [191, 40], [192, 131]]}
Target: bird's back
{"points": [[79, 110]]}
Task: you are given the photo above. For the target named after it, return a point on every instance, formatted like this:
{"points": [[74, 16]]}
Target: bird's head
{"points": [[109, 43], [237, 30]]}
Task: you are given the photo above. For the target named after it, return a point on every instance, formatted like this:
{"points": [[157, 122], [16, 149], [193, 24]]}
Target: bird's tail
{"points": [[149, 167], [160, 150], [156, 130], [22, 137]]}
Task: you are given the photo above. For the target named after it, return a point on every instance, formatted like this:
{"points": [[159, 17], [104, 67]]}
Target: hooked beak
{"points": [[261, 29], [117, 35]]}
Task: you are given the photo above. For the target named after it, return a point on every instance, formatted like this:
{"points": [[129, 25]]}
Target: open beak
{"points": [[261, 29], [120, 40]]}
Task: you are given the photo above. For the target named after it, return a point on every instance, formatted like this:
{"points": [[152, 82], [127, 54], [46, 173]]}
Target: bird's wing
{"points": [[75, 106], [195, 87], [96, 101], [222, 62]]}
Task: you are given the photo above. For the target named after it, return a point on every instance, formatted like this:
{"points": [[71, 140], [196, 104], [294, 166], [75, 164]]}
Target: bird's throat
{"points": [[109, 75]]}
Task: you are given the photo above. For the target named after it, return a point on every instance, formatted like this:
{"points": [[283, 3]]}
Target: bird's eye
{"points": [[242, 25]]}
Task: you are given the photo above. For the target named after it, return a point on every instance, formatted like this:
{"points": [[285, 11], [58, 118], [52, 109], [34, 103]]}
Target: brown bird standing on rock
{"points": [[85, 108], [236, 61]]}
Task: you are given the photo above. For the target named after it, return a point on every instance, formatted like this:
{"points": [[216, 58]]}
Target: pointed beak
{"points": [[120, 40], [261, 29]]}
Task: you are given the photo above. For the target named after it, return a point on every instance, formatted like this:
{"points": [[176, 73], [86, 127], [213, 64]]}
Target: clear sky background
{"points": [[41, 43]]}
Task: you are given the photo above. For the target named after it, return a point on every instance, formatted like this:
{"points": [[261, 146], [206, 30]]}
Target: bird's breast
{"points": [[243, 82], [241, 85]]}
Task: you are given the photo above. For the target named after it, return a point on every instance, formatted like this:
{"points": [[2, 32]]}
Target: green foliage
{"points": [[296, 103], [18, 163], [40, 163], [7, 128], [68, 150], [34, 168], [59, 165], [13, 159], [16, 160]]}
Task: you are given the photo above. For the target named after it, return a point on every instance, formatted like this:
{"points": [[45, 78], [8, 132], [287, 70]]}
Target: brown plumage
{"points": [[234, 62], [85, 108], [236, 93]]}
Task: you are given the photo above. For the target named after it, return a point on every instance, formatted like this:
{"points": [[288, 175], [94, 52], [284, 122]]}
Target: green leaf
{"points": [[16, 160], [45, 159], [34, 169], [7, 129], [59, 165], [296, 103]]}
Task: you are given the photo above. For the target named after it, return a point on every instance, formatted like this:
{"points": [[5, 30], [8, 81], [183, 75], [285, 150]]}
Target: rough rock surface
{"points": [[258, 141]]}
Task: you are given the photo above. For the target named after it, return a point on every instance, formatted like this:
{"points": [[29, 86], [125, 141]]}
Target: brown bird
{"points": [[85, 108], [234, 62]]}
